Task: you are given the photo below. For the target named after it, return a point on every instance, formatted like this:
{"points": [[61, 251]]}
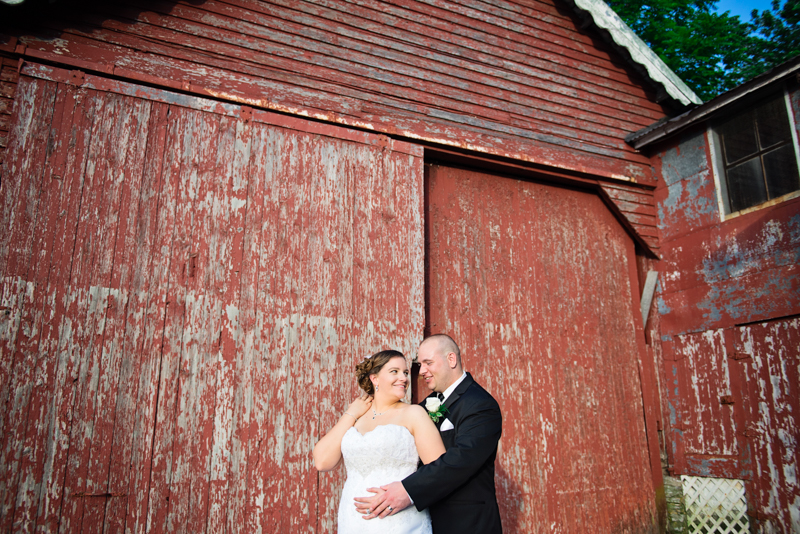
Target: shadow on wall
{"points": [[53, 17], [509, 498]]}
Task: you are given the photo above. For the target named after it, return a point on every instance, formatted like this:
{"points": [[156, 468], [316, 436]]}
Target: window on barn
{"points": [[756, 155]]}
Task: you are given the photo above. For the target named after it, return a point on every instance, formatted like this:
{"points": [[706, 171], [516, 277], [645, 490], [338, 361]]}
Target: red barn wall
{"points": [[141, 395], [520, 79], [728, 305], [187, 288], [185, 294], [539, 285]]}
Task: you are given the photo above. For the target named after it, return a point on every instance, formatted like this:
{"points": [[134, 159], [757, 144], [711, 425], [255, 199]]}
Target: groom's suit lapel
{"points": [[462, 387]]}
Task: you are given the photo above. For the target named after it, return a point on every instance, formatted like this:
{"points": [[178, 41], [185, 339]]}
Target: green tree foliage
{"points": [[778, 37], [713, 52]]}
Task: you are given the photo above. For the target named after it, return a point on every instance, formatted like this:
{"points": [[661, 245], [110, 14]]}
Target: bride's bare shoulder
{"points": [[414, 412]]}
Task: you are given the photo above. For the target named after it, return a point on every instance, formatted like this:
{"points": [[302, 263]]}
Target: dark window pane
{"points": [[780, 166], [773, 123], [746, 185], [739, 138]]}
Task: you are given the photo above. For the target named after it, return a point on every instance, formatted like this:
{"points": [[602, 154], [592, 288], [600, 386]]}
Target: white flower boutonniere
{"points": [[436, 408]]}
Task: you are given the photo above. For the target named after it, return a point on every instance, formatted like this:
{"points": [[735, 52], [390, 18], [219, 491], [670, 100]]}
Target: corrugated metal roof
{"points": [[641, 56]]}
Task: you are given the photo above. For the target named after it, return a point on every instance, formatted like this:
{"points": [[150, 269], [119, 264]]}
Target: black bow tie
{"points": [[440, 396]]}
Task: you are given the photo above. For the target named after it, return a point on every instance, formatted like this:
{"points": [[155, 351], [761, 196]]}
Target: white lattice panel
{"points": [[715, 505]]}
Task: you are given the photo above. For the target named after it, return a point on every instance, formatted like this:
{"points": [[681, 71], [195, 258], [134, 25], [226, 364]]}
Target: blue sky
{"points": [[743, 7]]}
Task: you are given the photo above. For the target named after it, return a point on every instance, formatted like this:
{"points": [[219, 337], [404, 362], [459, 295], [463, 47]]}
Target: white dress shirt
{"points": [[453, 386]]}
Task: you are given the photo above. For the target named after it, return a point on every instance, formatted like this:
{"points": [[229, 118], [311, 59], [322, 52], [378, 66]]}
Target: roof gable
{"points": [[636, 51]]}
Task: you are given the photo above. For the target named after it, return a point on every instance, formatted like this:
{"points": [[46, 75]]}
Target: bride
{"points": [[381, 439]]}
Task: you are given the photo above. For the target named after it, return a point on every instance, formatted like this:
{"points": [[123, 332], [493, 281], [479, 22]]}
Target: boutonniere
{"points": [[436, 408]]}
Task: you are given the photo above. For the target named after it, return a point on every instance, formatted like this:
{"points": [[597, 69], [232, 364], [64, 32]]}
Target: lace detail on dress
{"points": [[386, 454]]}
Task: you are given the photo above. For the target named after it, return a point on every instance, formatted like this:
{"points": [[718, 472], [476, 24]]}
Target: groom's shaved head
{"points": [[444, 344], [439, 362]]}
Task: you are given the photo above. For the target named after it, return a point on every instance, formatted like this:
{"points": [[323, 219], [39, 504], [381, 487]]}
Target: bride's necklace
{"points": [[376, 414]]}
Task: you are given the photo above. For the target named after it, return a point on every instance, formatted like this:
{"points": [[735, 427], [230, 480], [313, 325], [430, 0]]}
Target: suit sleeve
{"points": [[476, 442]]}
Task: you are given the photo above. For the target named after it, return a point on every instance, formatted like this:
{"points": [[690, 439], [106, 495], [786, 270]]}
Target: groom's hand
{"points": [[388, 500]]}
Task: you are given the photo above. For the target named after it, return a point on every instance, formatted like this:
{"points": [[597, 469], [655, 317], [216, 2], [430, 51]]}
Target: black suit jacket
{"points": [[459, 486]]}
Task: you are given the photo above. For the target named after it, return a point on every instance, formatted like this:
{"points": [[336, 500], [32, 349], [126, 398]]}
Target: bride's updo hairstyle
{"points": [[373, 366]]}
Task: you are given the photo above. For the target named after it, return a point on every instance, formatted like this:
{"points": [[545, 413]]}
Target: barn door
{"points": [[534, 282], [768, 354], [186, 288]]}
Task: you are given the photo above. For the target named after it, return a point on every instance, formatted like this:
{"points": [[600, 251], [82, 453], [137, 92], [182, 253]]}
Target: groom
{"points": [[459, 486]]}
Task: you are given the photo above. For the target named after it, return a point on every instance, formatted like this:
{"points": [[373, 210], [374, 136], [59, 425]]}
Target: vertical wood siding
{"points": [[728, 301], [735, 404], [184, 296], [517, 79], [772, 402], [534, 282]]}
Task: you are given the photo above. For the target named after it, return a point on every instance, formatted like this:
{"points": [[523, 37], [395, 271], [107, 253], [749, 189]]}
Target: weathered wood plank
{"points": [[242, 512], [7, 89], [772, 404], [341, 13], [21, 211], [234, 164], [629, 193], [130, 261], [87, 302], [131, 461], [154, 238], [496, 63], [199, 358], [178, 194], [390, 55], [336, 389], [708, 426], [647, 231], [647, 210], [641, 219], [440, 126], [184, 336], [113, 265], [452, 18], [62, 388], [434, 41], [276, 326], [122, 160], [33, 394]]}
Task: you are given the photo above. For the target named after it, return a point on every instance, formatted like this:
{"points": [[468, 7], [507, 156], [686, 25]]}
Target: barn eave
{"points": [[667, 127], [636, 51]]}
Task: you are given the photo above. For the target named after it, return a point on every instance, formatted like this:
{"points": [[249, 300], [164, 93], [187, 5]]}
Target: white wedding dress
{"points": [[383, 455]]}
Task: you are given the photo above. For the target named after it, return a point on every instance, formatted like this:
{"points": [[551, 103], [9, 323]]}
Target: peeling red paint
{"points": [[521, 81], [146, 395], [728, 299], [535, 283]]}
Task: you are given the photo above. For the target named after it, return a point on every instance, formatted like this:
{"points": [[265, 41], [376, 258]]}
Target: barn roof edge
{"points": [[668, 127], [641, 55]]}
